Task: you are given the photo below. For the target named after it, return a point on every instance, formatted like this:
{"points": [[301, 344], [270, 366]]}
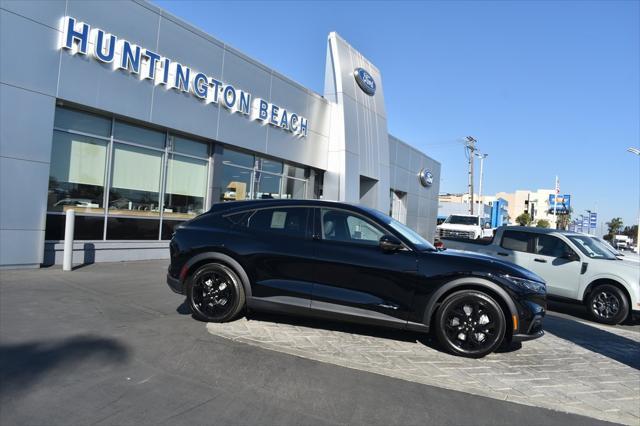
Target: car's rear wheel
{"points": [[607, 304], [470, 323], [215, 293]]}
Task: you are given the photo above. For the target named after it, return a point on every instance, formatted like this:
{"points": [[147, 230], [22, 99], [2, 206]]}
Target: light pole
{"points": [[589, 216], [470, 144], [636, 151], [481, 203]]}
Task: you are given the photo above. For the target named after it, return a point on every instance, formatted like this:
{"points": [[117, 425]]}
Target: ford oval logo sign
{"points": [[365, 81], [426, 177]]}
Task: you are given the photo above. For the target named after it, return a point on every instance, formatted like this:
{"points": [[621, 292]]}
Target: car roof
{"points": [[253, 204], [535, 230]]}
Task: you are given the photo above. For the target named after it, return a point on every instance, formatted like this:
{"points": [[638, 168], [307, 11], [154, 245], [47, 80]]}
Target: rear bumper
{"points": [[175, 285]]}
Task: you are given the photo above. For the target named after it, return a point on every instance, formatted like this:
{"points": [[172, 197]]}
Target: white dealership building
{"points": [[138, 121]]}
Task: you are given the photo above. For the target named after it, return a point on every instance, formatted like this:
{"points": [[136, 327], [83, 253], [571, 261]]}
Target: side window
{"points": [[516, 240], [548, 245], [339, 225], [291, 222]]}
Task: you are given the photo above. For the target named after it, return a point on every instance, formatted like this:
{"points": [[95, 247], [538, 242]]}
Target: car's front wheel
{"points": [[470, 323], [215, 293], [608, 304]]}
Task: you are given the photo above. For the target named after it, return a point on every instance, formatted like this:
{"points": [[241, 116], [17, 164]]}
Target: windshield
{"points": [[411, 235], [462, 220], [592, 247]]}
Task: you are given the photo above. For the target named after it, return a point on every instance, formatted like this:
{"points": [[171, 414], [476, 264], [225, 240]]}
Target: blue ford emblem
{"points": [[365, 81], [426, 177]]}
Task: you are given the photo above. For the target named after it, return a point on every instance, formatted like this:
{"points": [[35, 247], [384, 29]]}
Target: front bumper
{"points": [[174, 284], [534, 329], [525, 337]]}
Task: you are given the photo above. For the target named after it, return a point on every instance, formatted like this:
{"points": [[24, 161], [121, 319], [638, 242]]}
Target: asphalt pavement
{"points": [[111, 344]]}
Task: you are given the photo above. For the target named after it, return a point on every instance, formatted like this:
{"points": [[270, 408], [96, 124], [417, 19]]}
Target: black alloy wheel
{"points": [[470, 323], [607, 304], [215, 293]]}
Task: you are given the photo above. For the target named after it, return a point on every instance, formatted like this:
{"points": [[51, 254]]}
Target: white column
{"points": [[67, 262]]}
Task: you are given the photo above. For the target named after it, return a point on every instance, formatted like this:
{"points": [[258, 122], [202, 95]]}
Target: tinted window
{"points": [[516, 240], [289, 221], [339, 225], [548, 245]]}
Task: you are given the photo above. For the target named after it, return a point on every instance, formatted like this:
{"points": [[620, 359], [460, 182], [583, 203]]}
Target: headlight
{"points": [[533, 286]]}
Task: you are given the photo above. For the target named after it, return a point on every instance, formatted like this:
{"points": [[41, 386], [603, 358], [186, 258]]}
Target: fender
{"points": [[471, 280], [224, 259], [586, 285]]}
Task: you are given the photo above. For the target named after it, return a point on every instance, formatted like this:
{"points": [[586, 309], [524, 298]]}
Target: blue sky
{"points": [[546, 87]]}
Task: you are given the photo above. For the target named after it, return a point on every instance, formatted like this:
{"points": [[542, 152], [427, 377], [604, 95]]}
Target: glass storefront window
{"points": [[189, 147], [87, 227], [69, 119], [127, 228], [138, 135], [236, 183], [186, 187], [135, 182], [238, 158], [76, 178], [270, 166], [294, 189], [266, 186]]}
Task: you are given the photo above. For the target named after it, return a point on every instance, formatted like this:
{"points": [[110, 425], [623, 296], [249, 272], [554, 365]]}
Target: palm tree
{"points": [[615, 226]]}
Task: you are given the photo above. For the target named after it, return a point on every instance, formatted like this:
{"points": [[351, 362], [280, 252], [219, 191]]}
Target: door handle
{"points": [[503, 253], [540, 260]]}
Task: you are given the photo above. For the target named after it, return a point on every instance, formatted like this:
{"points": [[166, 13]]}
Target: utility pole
{"points": [[470, 144]]}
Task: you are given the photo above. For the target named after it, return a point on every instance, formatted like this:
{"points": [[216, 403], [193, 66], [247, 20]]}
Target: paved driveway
{"points": [[110, 344], [576, 367]]}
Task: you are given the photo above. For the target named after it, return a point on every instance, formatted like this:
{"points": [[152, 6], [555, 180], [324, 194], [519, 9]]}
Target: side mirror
{"points": [[571, 256], [389, 243]]}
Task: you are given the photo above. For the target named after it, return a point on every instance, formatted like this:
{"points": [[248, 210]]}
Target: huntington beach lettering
{"points": [[80, 38]]}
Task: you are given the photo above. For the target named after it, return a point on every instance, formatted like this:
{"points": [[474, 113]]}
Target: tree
{"points": [[615, 226], [524, 219], [542, 223], [563, 219]]}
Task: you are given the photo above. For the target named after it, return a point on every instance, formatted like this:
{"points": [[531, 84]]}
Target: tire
{"points": [[215, 293], [608, 304], [461, 325]]}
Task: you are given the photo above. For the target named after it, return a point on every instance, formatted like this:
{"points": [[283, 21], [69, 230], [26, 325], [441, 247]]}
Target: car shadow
{"points": [[26, 364], [594, 339]]}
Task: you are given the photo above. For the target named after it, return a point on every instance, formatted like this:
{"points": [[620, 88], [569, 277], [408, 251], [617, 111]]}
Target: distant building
{"points": [[534, 202], [494, 209]]}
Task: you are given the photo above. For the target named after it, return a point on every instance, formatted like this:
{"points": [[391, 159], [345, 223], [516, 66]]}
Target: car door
{"points": [[555, 261], [353, 276], [278, 249]]}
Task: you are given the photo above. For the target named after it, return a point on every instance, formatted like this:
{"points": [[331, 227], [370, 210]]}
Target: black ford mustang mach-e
{"points": [[347, 262]]}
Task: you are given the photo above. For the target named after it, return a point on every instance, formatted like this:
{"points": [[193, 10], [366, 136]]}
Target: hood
{"points": [[477, 262]]}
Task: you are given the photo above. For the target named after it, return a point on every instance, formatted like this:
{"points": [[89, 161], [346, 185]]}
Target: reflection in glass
{"points": [[266, 186], [76, 177], [236, 183], [294, 189], [270, 166], [238, 158], [135, 185], [186, 187]]}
